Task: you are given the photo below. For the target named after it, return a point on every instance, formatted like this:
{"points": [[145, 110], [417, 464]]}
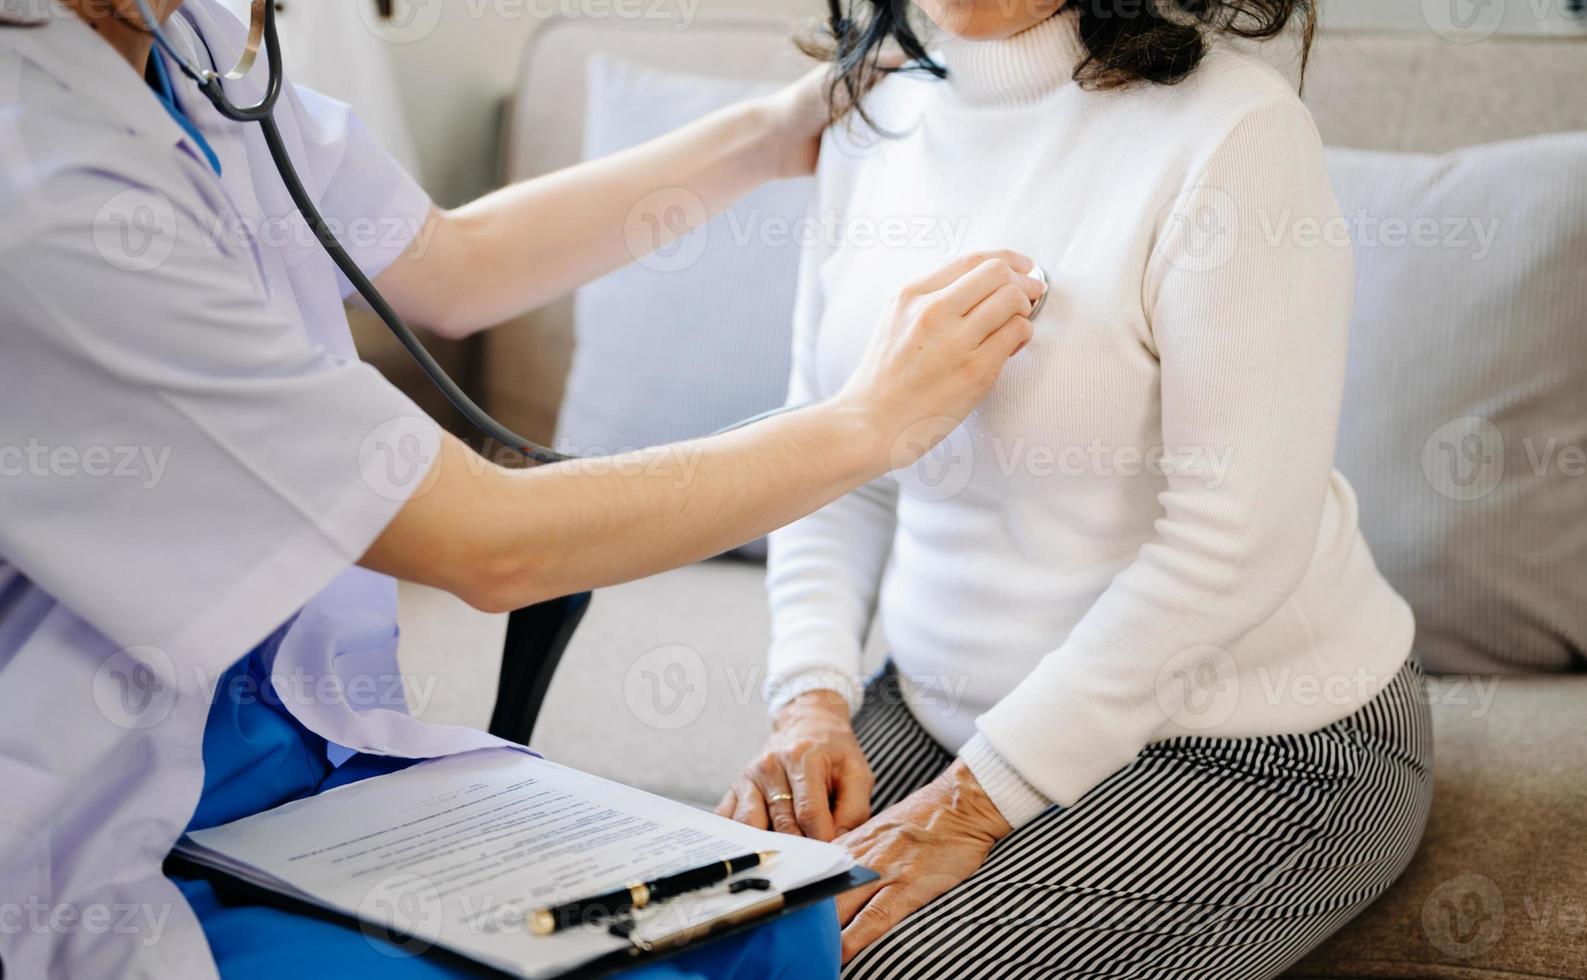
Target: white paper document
{"points": [[456, 851]]}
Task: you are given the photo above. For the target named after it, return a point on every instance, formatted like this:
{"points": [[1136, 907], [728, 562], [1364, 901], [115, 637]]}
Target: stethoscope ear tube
{"points": [[476, 416], [262, 38]]}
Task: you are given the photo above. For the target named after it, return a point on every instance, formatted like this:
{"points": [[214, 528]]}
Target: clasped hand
{"points": [[812, 779]]}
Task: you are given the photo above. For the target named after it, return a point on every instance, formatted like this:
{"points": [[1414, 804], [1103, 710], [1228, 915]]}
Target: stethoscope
{"points": [[262, 37]]}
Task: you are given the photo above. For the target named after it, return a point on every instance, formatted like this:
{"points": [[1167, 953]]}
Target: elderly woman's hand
{"points": [[811, 779], [923, 846]]}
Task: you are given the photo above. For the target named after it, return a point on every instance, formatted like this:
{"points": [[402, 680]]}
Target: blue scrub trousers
{"points": [[257, 756]]}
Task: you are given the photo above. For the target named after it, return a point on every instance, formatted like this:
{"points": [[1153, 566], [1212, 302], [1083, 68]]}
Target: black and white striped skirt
{"points": [[1206, 858]]}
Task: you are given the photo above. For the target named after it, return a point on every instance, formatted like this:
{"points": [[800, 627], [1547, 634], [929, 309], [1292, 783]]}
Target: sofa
{"points": [[672, 665]]}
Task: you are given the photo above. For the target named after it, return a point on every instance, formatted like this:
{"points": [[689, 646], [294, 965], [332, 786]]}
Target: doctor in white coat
{"points": [[197, 473]]}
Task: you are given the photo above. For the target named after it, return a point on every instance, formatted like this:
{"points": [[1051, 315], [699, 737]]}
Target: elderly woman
{"points": [[1150, 710]]}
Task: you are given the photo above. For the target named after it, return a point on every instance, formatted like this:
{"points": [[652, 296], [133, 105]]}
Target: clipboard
{"points": [[230, 887]]}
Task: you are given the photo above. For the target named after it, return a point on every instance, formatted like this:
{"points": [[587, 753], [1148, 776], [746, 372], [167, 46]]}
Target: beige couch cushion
{"points": [[1499, 887]]}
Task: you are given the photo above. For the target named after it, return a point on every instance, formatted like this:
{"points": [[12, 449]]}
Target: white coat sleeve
{"points": [[184, 469]]}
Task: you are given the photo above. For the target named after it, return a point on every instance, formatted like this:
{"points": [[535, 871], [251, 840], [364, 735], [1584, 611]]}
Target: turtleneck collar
{"points": [[1014, 71]]}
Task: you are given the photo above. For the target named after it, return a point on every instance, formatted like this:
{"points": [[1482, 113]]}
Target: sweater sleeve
{"points": [[1250, 324], [823, 571]]}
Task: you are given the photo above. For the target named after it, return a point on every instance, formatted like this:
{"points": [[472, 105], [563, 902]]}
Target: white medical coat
{"points": [[191, 455]]}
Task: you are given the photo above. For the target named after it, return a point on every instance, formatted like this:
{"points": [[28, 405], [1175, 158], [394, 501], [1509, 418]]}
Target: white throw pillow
{"points": [[1464, 428], [696, 336]]}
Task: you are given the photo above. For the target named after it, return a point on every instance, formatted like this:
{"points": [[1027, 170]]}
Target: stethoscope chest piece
{"points": [[1037, 274]]}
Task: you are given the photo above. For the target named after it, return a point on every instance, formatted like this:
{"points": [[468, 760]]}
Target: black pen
{"points": [[543, 922]]}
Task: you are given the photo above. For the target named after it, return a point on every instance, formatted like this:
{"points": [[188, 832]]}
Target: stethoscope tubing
{"points": [[263, 39], [211, 83]]}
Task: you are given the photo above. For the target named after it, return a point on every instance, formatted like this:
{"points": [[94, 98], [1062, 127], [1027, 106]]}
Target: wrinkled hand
{"points": [[813, 757], [923, 846]]}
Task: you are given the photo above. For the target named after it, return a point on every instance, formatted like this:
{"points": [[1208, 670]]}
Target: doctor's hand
{"points": [[796, 115], [939, 348], [811, 779], [922, 847], [799, 113]]}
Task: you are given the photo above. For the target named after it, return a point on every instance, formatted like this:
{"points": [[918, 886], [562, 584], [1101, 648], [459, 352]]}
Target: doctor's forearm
{"points": [[526, 244], [502, 539]]}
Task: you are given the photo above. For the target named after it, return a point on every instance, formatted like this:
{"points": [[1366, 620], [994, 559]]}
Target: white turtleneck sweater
{"points": [[1139, 534]]}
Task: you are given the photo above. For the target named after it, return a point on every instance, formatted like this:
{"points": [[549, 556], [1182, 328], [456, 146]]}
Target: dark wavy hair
{"points": [[1128, 42]]}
